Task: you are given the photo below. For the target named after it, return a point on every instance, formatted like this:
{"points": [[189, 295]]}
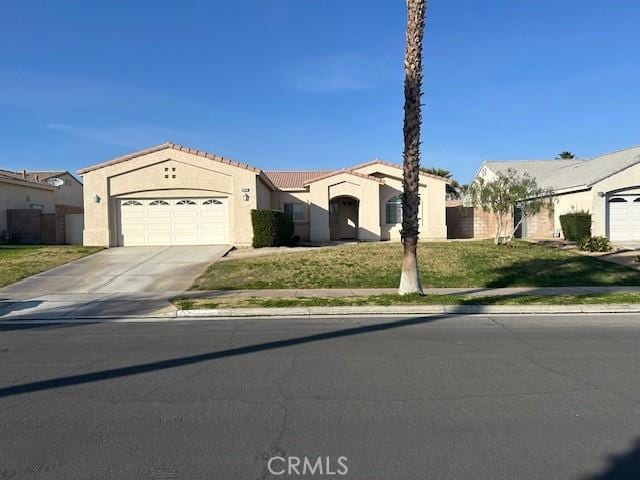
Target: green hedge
{"points": [[271, 228], [576, 226]]}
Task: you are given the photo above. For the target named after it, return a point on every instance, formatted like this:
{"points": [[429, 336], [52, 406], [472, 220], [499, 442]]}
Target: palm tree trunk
{"points": [[410, 278]]}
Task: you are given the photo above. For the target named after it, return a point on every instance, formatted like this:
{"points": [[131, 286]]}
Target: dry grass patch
{"points": [[21, 261], [442, 264], [385, 300]]}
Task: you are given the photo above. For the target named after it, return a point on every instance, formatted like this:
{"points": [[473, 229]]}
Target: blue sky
{"points": [[285, 84]]}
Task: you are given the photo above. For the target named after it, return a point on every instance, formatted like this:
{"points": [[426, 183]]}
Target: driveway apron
{"points": [[116, 281]]}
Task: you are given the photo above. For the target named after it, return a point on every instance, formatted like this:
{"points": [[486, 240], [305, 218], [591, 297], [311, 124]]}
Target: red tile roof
{"points": [[294, 179]]}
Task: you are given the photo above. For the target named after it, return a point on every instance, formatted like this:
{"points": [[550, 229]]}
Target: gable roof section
{"points": [[294, 179], [572, 174], [348, 171], [173, 146], [181, 148], [377, 161]]}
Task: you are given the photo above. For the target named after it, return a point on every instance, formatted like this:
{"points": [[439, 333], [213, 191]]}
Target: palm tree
{"points": [[454, 189], [566, 155], [410, 278]]}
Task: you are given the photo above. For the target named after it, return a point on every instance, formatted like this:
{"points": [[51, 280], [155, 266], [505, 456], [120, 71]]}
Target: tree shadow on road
{"points": [[621, 467], [113, 373]]}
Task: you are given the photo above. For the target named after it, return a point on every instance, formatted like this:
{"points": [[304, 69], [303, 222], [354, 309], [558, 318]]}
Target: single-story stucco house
{"points": [[607, 186], [34, 205], [174, 195]]}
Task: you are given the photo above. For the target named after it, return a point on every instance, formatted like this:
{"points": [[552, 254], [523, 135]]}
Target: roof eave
{"points": [[26, 183], [377, 161]]}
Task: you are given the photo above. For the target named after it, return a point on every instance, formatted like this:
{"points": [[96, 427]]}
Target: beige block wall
{"points": [[541, 225], [470, 222], [145, 175], [13, 196]]}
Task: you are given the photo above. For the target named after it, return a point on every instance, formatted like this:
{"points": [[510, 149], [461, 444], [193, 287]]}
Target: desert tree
{"points": [[503, 194], [566, 155]]}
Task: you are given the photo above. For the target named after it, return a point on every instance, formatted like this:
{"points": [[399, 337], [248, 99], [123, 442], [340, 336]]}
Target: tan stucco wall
{"points": [[145, 176], [195, 176], [14, 196], [70, 193], [569, 203], [591, 201], [263, 195], [366, 191], [279, 198], [432, 202]]}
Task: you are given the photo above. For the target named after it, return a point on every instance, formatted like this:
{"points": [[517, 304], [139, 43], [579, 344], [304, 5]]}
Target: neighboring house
{"points": [[607, 186], [174, 195], [34, 205]]}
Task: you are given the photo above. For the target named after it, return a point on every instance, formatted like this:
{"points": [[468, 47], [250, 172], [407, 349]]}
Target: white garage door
{"points": [[624, 217], [168, 221]]}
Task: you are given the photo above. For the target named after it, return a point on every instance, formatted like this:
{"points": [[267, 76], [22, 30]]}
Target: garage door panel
{"points": [[213, 213], [624, 217], [173, 221]]}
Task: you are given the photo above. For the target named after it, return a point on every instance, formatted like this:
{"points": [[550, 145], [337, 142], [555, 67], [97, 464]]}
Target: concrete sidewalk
{"points": [[365, 292], [149, 305]]}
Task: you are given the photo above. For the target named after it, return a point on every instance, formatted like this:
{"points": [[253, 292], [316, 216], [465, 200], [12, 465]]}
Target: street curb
{"points": [[408, 310], [319, 312]]}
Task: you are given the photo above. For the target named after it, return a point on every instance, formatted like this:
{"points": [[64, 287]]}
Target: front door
{"points": [[343, 218]]}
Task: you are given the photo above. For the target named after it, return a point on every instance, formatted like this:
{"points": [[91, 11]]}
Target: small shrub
{"points": [[271, 228], [576, 225], [594, 244], [636, 259]]}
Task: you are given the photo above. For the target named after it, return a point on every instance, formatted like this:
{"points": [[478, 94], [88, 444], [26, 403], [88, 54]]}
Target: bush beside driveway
{"points": [[21, 261], [442, 264]]}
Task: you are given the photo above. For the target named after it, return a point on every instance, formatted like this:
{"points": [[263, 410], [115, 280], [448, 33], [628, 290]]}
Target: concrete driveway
{"points": [[116, 281]]}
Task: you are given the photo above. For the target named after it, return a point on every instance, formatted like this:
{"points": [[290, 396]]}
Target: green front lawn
{"points": [[386, 300], [20, 261], [442, 264]]}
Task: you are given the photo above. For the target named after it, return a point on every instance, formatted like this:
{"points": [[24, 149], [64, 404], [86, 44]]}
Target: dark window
{"points": [[295, 211], [393, 211]]}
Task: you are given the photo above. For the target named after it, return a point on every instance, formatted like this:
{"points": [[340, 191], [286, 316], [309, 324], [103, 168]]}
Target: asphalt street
{"points": [[441, 397]]}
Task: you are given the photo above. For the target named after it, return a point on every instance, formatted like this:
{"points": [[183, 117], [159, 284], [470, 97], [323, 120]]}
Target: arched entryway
{"points": [[343, 218]]}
